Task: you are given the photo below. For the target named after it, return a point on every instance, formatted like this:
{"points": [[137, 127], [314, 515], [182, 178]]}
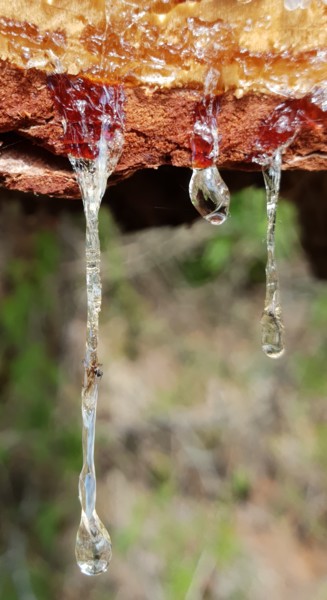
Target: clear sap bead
{"points": [[93, 546], [272, 334], [210, 195]]}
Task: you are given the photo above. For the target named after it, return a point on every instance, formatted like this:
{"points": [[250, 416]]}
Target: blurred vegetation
{"points": [[183, 473], [37, 446], [242, 243]]}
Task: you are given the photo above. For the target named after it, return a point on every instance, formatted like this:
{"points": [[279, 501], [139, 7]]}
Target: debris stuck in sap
{"points": [[93, 117]]}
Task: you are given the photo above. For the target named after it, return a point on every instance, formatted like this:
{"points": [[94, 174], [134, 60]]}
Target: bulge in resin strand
{"points": [[210, 195], [272, 334], [93, 546]]}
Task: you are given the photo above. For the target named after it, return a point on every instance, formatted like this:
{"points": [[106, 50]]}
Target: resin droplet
{"points": [[271, 322], [210, 195], [93, 546], [208, 192]]}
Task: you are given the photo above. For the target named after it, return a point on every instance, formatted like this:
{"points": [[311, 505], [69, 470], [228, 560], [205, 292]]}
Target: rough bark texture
{"points": [[158, 129]]}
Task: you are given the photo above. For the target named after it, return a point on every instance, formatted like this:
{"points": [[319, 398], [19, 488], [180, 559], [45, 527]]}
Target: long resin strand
{"points": [[272, 328], [93, 118], [93, 544]]}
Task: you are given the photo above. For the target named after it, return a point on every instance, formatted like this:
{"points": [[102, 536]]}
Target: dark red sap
{"points": [[83, 104], [204, 133], [286, 121]]}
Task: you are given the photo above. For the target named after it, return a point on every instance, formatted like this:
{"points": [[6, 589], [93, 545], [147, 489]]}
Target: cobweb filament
{"points": [[93, 117], [272, 328]]}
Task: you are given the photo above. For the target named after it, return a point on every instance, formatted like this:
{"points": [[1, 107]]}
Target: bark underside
{"points": [[158, 128]]}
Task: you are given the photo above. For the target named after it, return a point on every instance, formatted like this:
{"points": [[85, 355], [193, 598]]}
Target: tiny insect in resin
{"points": [[210, 195], [272, 328]]}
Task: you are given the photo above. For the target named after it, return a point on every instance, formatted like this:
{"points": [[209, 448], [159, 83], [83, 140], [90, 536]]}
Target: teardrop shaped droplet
{"points": [[272, 329], [210, 195], [272, 334], [93, 546]]}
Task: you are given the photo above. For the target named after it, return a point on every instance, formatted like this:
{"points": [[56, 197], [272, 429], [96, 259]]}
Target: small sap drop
{"points": [[93, 546], [272, 334], [272, 328], [210, 195]]}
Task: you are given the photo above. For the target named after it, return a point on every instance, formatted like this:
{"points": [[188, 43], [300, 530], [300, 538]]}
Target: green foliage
{"points": [[130, 536], [172, 520], [321, 444], [319, 309], [31, 449], [48, 523], [241, 242], [310, 369]]}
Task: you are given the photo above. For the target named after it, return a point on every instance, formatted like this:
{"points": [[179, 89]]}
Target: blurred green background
{"points": [[211, 459]]}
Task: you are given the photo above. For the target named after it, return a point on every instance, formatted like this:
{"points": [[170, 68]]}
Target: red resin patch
{"points": [[204, 131], [83, 105], [285, 123]]}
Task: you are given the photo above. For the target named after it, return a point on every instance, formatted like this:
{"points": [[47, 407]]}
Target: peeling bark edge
{"points": [[158, 129]]}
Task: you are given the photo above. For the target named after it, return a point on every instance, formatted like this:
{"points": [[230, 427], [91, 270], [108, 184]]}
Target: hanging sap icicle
{"points": [[208, 192], [271, 322], [93, 118], [278, 132]]}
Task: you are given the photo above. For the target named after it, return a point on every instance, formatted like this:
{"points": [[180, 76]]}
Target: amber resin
{"points": [[258, 46]]}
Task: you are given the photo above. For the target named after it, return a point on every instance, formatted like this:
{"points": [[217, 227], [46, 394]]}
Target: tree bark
{"points": [[158, 129]]}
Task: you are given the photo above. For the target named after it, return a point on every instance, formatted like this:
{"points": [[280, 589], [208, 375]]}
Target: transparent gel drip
{"points": [[208, 192], [93, 136], [272, 329], [93, 544], [210, 195]]}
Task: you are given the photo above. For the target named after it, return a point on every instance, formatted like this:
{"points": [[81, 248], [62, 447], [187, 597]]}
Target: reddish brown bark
{"points": [[158, 129]]}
